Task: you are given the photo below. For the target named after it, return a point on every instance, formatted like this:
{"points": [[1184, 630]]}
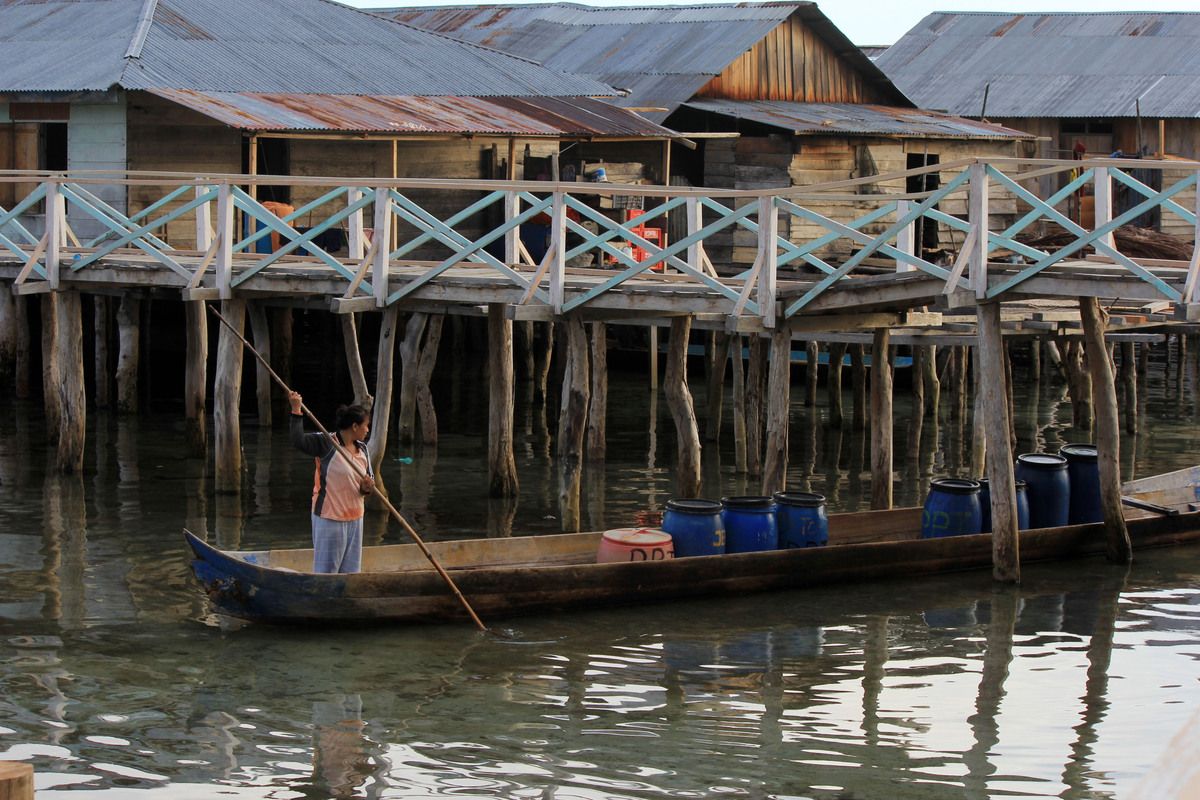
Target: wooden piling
{"points": [[195, 377], [1035, 360], [717, 353], [755, 379], [358, 377], [929, 376], [525, 332], [1006, 557], [833, 383], [545, 361], [16, 780], [51, 372], [425, 364], [260, 331], [227, 393], [1128, 381], [881, 420], [1079, 384], [385, 379], [737, 369], [858, 379], [101, 362], [812, 355], [572, 421], [8, 337], [71, 401], [410, 354], [961, 358], [597, 415], [22, 369], [282, 324], [652, 351], [679, 400], [1108, 434], [502, 465], [917, 418], [979, 431], [129, 312], [779, 387]]}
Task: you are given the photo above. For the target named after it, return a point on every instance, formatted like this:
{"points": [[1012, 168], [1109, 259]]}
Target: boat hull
{"points": [[251, 591]]}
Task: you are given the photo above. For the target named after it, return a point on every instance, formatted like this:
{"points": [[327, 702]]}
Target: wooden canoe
{"points": [[520, 575]]}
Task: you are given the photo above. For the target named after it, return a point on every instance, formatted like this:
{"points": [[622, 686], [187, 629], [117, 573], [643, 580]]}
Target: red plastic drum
{"points": [[634, 544]]}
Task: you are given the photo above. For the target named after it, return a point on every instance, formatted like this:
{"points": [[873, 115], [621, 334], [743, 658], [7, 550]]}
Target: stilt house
{"points": [[286, 87], [773, 94], [1088, 84]]}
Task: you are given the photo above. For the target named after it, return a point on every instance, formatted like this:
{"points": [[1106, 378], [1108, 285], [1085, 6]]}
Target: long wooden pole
{"points": [[361, 473]]}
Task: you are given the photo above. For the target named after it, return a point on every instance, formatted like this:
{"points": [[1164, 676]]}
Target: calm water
{"points": [[115, 681]]}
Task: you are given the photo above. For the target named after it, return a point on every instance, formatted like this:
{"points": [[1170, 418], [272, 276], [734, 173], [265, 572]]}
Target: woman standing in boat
{"points": [[338, 491]]}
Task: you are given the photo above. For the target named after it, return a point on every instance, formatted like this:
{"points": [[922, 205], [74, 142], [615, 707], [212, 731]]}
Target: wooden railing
{"points": [[226, 226]]}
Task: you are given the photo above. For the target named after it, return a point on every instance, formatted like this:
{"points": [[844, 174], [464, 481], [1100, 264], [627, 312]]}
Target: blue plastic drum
{"points": [[1083, 475], [801, 519], [1049, 488], [985, 505], [750, 524], [695, 526], [951, 508]]}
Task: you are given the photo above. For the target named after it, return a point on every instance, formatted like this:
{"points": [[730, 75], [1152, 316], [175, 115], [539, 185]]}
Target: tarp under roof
{"points": [[1088, 65], [398, 115], [852, 119]]}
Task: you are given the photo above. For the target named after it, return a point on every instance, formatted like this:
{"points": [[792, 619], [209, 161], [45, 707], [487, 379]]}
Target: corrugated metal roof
{"points": [[662, 54], [1052, 65], [540, 116], [255, 46], [850, 119]]}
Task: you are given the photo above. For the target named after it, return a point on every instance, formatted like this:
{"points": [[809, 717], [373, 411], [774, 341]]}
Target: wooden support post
{"points": [[227, 233], [556, 253], [260, 330], [1035, 360], [545, 362], [572, 420], [906, 237], [281, 337], [1079, 384], [8, 337], [1108, 434], [717, 354], [227, 394], [410, 355], [1006, 557], [768, 254], [858, 377], [977, 216], [101, 362], [1008, 396], [1129, 386], [916, 421], [679, 400], [204, 228], [1103, 205], [979, 435], [382, 233], [16, 780], [51, 371], [356, 239], [195, 378], [881, 420], [502, 465], [739, 405], [597, 416], [525, 332], [22, 370], [381, 410], [425, 364], [71, 401], [652, 349], [929, 376], [358, 377], [962, 358], [755, 381], [812, 354], [56, 234], [779, 389], [833, 383]]}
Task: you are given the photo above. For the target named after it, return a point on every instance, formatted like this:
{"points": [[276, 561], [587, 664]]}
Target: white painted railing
{"points": [[789, 274]]}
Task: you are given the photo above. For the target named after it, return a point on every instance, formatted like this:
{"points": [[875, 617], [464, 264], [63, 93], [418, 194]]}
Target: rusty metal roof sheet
{"points": [[1052, 65], [849, 119], [525, 116], [662, 55], [280, 46]]}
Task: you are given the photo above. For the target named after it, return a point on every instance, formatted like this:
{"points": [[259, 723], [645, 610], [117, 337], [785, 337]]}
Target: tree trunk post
{"points": [[755, 379], [812, 355], [737, 367], [227, 393], [51, 365], [979, 429], [718, 355], [282, 324], [778, 405], [679, 400], [929, 376], [502, 465], [195, 377], [358, 377], [128, 356], [261, 332], [572, 421], [8, 336], [597, 416], [24, 344], [881, 420], [1129, 386], [101, 361], [1006, 557], [425, 364], [833, 384], [71, 401], [410, 356], [858, 377], [1108, 432], [381, 409]]}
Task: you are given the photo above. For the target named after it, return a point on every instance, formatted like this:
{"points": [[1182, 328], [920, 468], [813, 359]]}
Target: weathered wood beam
{"points": [[261, 332], [1006, 560], [778, 408], [358, 378], [755, 382], [129, 313], [426, 411], [1108, 432], [881, 421], [381, 410], [195, 378], [717, 354], [227, 392], [51, 370], [737, 368], [833, 384], [502, 465], [71, 401], [679, 400], [410, 355], [597, 417]]}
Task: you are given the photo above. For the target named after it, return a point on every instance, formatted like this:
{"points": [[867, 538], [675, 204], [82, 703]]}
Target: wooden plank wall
{"points": [[165, 136], [793, 63]]}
